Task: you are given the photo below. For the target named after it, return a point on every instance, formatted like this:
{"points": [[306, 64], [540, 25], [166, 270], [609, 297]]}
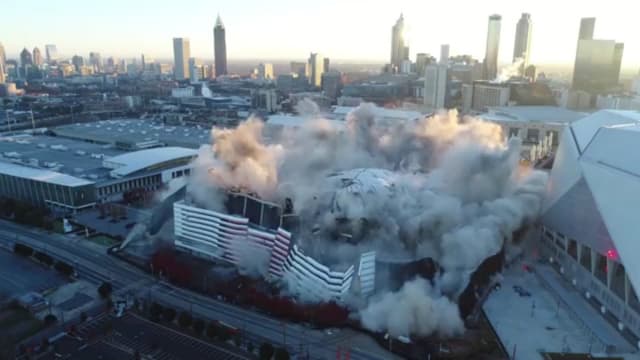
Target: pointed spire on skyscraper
{"points": [[219, 22]]}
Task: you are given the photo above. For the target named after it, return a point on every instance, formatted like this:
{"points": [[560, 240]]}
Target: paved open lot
{"points": [[19, 275], [131, 333]]}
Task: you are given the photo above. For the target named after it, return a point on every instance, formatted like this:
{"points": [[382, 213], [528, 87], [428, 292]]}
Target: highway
{"points": [[94, 265]]}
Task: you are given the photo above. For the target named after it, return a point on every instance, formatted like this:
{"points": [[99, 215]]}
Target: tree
{"points": [[266, 351], [224, 335], [185, 319], [169, 314], [22, 250], [281, 354], [212, 330], [105, 290], [155, 310], [198, 326], [43, 258], [64, 268], [50, 319]]}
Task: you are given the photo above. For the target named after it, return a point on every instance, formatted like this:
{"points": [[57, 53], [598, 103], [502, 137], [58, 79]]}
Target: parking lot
{"points": [[19, 276]]}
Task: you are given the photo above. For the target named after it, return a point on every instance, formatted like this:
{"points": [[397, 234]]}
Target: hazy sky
{"points": [[287, 29]]}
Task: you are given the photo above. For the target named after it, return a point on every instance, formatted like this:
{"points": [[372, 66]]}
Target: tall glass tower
{"points": [[493, 44], [220, 47]]}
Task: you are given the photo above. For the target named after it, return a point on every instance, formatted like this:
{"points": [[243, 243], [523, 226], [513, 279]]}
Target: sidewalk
{"points": [[574, 301]]}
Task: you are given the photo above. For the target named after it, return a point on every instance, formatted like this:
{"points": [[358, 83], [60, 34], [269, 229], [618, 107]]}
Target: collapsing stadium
{"points": [[403, 222]]}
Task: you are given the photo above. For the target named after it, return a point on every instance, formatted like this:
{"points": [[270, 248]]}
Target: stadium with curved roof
{"points": [[590, 218], [147, 160]]}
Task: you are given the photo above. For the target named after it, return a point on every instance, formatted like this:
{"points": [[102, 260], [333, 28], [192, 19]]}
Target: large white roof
{"points": [[585, 130], [43, 175], [596, 178], [132, 162], [383, 113], [536, 114], [294, 121]]}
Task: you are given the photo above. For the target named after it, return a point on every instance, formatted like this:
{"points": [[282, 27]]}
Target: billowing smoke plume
{"points": [[511, 70], [441, 187], [416, 309]]}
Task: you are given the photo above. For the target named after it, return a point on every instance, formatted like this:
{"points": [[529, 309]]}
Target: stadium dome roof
{"points": [[594, 189]]}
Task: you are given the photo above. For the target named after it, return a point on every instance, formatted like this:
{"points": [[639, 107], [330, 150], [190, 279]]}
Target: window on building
{"points": [[617, 280], [601, 268], [585, 258], [572, 249]]}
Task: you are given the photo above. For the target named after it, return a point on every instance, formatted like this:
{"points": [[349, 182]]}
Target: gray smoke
{"points": [[416, 309], [443, 187]]}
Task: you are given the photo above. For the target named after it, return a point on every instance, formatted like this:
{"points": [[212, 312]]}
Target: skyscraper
{"points": [[95, 60], [3, 55], [444, 54], [300, 68], [399, 47], [522, 46], [37, 57], [436, 80], [25, 58], [51, 52], [493, 44], [327, 64], [597, 64], [587, 27], [194, 70], [422, 60], [2, 75], [265, 71], [181, 55], [220, 47], [316, 69], [78, 62]]}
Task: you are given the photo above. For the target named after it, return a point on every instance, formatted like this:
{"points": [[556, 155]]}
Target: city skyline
{"points": [[290, 32]]}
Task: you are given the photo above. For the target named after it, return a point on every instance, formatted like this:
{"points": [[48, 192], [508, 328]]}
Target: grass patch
{"points": [[103, 240]]}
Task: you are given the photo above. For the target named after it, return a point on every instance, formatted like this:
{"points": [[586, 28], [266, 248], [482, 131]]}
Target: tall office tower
{"points": [[422, 60], [444, 54], [37, 57], [331, 84], [300, 68], [436, 80], [25, 58], [194, 70], [3, 55], [95, 60], [77, 62], [493, 44], [220, 47], [587, 27], [597, 65], [2, 74], [316, 69], [143, 62], [522, 46], [399, 46], [51, 53], [181, 55], [123, 68], [265, 71], [327, 64]]}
